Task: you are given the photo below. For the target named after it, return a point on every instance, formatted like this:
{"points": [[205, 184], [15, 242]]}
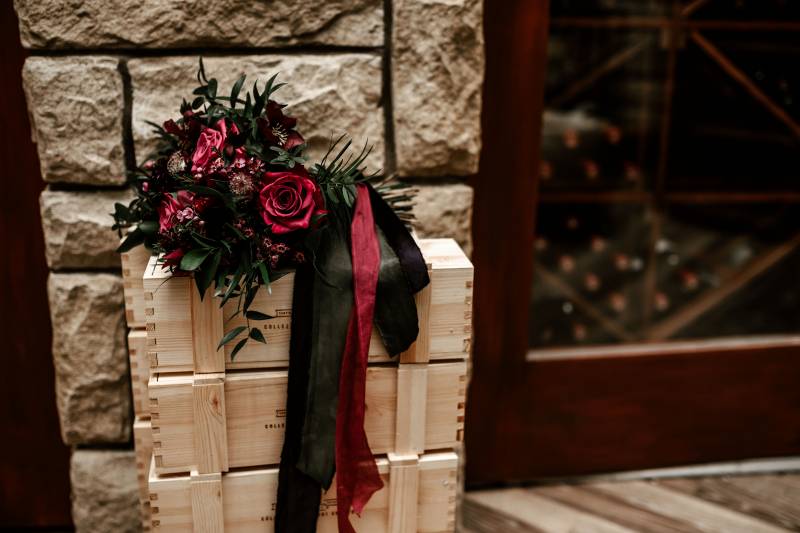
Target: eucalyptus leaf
{"points": [[238, 347], [257, 315], [204, 276], [232, 334], [256, 335], [237, 87]]}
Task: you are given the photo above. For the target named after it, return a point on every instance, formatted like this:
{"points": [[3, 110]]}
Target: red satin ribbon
{"points": [[357, 476]]}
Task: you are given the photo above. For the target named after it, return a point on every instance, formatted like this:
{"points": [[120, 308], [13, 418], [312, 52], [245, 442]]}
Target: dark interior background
{"points": [[34, 463]]}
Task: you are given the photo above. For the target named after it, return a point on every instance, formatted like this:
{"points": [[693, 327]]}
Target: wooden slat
{"points": [[140, 371], [170, 333], [143, 447], [479, 518], [636, 414], [209, 423], [403, 492], [207, 331], [412, 391], [701, 514], [763, 497], [585, 499], [542, 513], [249, 496], [207, 514], [255, 405], [134, 263]]}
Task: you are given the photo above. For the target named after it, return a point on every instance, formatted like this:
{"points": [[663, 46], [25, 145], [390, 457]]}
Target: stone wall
{"points": [[404, 75]]}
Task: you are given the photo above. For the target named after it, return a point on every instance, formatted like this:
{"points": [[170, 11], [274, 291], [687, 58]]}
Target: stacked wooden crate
{"points": [[133, 266], [218, 423]]}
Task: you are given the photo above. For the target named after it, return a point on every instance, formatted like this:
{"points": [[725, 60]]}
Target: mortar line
{"points": [[390, 153]]}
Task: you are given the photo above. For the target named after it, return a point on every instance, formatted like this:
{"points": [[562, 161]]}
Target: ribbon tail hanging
{"points": [[357, 476], [299, 495]]}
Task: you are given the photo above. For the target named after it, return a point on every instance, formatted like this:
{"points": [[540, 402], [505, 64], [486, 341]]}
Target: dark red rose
{"points": [[289, 199], [174, 257]]}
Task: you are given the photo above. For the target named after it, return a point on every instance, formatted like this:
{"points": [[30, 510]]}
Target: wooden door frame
{"points": [[34, 462], [504, 214], [600, 409]]}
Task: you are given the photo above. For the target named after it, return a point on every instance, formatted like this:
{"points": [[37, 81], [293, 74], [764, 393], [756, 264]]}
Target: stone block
{"points": [[65, 24], [105, 493], [437, 76], [329, 94], [90, 357], [445, 210], [77, 228], [76, 106]]}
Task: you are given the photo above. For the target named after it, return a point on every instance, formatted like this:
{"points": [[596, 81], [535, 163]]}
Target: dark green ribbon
{"points": [[402, 273]]}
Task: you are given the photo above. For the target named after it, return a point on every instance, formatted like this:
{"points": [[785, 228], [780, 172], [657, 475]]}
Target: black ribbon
{"points": [[322, 303], [298, 494], [333, 301]]}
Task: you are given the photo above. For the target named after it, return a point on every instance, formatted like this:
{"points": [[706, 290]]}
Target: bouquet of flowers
{"points": [[230, 198]]}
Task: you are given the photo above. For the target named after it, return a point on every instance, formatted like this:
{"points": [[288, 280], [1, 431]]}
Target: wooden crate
{"points": [[140, 371], [183, 332], [215, 422], [143, 446], [134, 263], [419, 495]]}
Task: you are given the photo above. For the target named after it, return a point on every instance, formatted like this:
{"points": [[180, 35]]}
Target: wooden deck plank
{"points": [[769, 498], [703, 515], [544, 514], [479, 518], [584, 498]]}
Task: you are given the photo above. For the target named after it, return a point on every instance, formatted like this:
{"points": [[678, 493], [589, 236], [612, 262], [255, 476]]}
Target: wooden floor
{"points": [[725, 504]]}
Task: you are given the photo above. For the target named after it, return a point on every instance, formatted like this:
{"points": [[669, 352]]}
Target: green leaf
{"points": [[232, 334], [264, 274], [256, 335], [212, 88], [201, 73], [121, 211], [134, 239], [203, 241], [149, 227], [257, 315], [250, 296], [237, 87], [210, 191], [204, 276], [239, 346], [193, 259], [234, 284], [197, 102]]}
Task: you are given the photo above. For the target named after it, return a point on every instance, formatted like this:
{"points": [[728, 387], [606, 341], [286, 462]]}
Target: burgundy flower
{"points": [[211, 143], [175, 210], [174, 257], [289, 199], [277, 128]]}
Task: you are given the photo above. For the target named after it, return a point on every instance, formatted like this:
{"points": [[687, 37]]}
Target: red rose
{"points": [[173, 258], [210, 144], [289, 200]]}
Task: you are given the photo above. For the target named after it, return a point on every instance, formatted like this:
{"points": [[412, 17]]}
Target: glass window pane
{"points": [[670, 179]]}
